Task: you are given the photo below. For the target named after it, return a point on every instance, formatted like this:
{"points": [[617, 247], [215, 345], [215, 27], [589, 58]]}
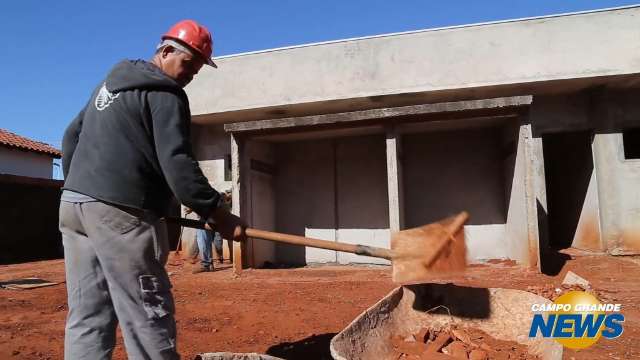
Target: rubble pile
{"points": [[457, 343]]}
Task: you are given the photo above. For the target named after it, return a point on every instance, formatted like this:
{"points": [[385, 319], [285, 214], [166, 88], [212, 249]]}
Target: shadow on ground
{"points": [[315, 347], [552, 261]]}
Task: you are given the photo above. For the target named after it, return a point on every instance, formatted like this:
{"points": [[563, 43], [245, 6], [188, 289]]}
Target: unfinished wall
{"points": [[261, 200], [447, 172], [334, 190], [571, 191], [305, 191], [566, 123], [25, 163], [588, 236], [212, 148], [618, 194], [361, 192]]}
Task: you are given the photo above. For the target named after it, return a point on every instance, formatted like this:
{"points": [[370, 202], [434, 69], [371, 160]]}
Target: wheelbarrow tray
{"points": [[504, 314]]}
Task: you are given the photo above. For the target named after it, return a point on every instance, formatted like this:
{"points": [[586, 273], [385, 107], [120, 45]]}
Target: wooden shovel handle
{"points": [[321, 244], [296, 240]]}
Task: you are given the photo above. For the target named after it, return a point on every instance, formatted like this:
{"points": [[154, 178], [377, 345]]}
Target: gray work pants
{"points": [[114, 262]]}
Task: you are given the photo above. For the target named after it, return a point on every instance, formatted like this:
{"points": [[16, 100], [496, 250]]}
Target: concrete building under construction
{"points": [[529, 125]]}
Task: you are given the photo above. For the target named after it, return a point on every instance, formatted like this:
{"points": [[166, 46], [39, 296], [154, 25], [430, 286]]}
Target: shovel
{"points": [[415, 253]]}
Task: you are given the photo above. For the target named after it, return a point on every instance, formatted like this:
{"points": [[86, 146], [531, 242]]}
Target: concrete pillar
{"points": [[535, 193], [237, 147], [528, 191], [394, 179]]}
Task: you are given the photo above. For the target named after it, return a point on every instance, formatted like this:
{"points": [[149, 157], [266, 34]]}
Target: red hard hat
{"points": [[196, 36]]}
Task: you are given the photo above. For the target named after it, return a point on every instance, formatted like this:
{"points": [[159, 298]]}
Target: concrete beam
{"points": [[497, 106], [519, 56], [601, 109]]}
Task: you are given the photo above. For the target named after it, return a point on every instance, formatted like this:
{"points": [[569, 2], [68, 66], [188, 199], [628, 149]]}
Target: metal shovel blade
{"points": [[436, 248]]}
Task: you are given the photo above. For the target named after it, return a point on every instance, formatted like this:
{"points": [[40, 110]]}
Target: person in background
{"points": [[205, 238]]}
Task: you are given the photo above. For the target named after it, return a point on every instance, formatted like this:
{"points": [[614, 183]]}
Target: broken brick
{"points": [[435, 356], [408, 347], [423, 335], [457, 349], [462, 336], [478, 354], [439, 342]]}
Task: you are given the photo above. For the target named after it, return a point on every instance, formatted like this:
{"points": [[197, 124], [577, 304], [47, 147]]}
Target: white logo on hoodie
{"points": [[104, 98]]}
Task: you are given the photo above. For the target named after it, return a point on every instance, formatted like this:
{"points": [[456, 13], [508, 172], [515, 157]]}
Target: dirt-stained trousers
{"points": [[114, 264]]}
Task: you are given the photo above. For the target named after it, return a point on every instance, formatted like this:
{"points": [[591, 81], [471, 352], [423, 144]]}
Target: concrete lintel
{"points": [[520, 55], [496, 104]]}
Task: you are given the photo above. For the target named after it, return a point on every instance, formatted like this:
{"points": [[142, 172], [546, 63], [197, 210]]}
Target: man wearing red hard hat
{"points": [[124, 156]]}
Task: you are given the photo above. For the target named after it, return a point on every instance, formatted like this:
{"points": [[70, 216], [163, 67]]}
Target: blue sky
{"points": [[55, 52]]}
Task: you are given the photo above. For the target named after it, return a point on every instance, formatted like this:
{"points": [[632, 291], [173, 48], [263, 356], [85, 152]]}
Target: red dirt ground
{"points": [[293, 313]]}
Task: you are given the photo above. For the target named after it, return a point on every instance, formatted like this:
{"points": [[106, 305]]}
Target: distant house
{"points": [[25, 157], [29, 200]]}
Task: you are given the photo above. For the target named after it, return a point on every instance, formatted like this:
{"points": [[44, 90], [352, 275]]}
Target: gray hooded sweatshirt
{"points": [[131, 146]]}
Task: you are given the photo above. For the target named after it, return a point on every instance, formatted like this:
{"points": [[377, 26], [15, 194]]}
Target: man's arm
{"points": [[171, 130], [171, 133], [70, 141]]}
